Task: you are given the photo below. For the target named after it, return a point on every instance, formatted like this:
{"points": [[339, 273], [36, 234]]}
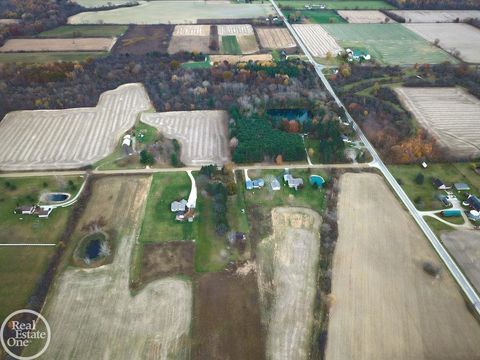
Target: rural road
{"points": [[377, 162]]}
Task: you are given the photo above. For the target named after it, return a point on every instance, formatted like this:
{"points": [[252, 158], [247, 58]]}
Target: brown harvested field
{"points": [[364, 16], [450, 114], [275, 38], [235, 29], [167, 259], [202, 134], [69, 138], [191, 30], [75, 44], [434, 16], [318, 41], [153, 324], [464, 245], [240, 58], [463, 38], [385, 306], [189, 44], [142, 39], [227, 322], [248, 44], [287, 270]]}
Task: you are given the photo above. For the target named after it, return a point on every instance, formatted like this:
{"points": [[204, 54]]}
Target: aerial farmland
{"points": [[202, 134], [317, 40], [275, 38], [434, 109], [462, 40], [82, 44], [380, 291], [48, 139], [436, 16], [364, 16]]}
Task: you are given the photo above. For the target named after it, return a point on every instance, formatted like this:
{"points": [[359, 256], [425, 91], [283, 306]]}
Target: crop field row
{"points": [[75, 44], [229, 45], [461, 38], [235, 29], [275, 38], [380, 291], [317, 40], [173, 12], [71, 138], [434, 16], [191, 30], [450, 114], [388, 43], [364, 16], [202, 134], [339, 4], [75, 31]]}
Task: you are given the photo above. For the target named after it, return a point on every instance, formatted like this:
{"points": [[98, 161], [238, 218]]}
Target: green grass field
{"points": [[391, 44], [424, 196], [21, 267], [159, 223], [72, 31], [340, 4], [230, 45], [46, 57], [197, 64], [319, 16]]}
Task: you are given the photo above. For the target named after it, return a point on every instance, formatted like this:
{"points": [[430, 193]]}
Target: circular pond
{"points": [[93, 249], [317, 180]]}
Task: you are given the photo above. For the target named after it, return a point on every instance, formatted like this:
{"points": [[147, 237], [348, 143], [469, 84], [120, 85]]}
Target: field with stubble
{"points": [[275, 38], [385, 306], [202, 134], [92, 313], [59, 44], [287, 263], [449, 114]]}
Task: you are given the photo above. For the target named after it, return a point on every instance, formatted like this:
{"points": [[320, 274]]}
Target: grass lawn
{"points": [[230, 45], [268, 199], [388, 43], [437, 226], [46, 57], [159, 224], [340, 4], [426, 193], [21, 267], [73, 31], [319, 16], [198, 64]]}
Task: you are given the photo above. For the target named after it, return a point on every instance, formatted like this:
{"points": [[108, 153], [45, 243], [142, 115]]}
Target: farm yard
{"points": [[160, 332], [70, 138], [76, 31], [436, 16], [143, 39], [339, 4], [434, 109], [287, 262], [390, 44], [364, 16], [275, 38], [452, 37], [317, 40], [380, 291], [190, 38], [202, 134], [173, 12], [77, 44], [465, 248]]}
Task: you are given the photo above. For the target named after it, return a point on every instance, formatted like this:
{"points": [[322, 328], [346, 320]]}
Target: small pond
{"points": [[55, 197], [93, 249], [300, 115]]}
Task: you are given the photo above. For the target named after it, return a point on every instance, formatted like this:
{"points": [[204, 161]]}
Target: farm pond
{"points": [[93, 249]]}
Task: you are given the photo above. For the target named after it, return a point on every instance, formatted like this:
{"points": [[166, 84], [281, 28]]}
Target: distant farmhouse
{"points": [[293, 183], [357, 55], [182, 211], [440, 185], [42, 211]]}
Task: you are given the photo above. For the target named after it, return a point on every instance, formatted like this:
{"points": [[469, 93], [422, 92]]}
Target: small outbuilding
{"points": [[275, 184], [473, 202], [461, 187], [178, 206], [293, 183], [439, 184]]}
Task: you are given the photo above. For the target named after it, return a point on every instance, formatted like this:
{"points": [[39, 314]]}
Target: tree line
{"points": [[436, 4]]}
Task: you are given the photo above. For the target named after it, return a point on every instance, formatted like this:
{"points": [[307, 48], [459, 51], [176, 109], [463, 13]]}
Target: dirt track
{"points": [[287, 263], [385, 305], [92, 313], [70, 138]]}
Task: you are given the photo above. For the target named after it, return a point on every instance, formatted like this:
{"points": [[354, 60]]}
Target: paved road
{"points": [[462, 281]]}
